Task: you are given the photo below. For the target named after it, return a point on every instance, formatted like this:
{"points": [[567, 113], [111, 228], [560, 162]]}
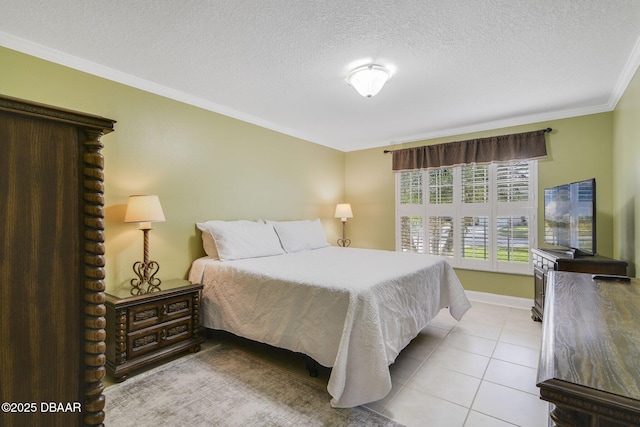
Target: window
{"points": [[480, 217]]}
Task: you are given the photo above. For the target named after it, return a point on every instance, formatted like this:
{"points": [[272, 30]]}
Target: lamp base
{"points": [[146, 281], [344, 243]]}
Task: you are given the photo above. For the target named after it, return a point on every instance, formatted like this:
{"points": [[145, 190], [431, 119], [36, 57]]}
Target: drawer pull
{"points": [[141, 316], [163, 335], [178, 306]]}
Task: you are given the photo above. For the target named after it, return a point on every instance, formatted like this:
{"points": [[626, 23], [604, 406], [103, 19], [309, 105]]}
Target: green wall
{"points": [[578, 148], [626, 175], [207, 166], [201, 164]]}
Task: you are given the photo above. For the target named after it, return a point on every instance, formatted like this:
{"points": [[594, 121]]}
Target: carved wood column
{"points": [[94, 274]]}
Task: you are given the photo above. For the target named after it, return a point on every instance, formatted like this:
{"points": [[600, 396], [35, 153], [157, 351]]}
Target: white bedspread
{"points": [[350, 309]]}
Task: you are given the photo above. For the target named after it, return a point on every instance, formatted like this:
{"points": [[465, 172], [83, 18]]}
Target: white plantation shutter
{"points": [[513, 182], [478, 216], [411, 188], [411, 222], [475, 237], [441, 235], [412, 234], [440, 186], [475, 184], [513, 232]]}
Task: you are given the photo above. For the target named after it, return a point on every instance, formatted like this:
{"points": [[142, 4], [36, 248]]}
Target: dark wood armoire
{"points": [[51, 265]]}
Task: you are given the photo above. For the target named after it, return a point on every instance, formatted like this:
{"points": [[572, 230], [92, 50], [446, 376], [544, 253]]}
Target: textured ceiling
{"points": [[459, 66]]}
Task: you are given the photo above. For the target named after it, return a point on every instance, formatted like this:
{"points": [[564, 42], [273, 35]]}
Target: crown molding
{"points": [[627, 74], [499, 124], [49, 54], [61, 58]]}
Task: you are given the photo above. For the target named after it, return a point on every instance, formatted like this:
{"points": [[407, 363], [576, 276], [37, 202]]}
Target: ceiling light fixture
{"points": [[368, 79]]}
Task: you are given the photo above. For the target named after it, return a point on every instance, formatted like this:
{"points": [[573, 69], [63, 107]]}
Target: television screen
{"points": [[570, 216]]}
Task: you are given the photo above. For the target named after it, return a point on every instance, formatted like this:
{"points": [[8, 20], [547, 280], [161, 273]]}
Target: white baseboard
{"points": [[506, 300]]}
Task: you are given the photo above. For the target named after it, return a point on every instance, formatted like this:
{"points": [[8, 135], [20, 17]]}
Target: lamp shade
{"points": [[369, 79], [144, 209], [343, 211]]}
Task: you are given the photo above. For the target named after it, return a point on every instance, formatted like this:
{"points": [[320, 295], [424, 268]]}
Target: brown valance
{"points": [[503, 148]]}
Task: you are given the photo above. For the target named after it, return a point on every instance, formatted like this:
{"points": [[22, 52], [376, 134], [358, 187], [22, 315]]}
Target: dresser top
{"points": [[565, 256], [591, 334], [167, 287]]}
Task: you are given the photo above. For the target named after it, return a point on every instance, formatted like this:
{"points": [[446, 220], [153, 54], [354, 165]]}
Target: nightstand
{"points": [[145, 329]]}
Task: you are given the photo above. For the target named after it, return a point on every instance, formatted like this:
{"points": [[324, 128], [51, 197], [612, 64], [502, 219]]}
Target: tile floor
{"points": [[480, 371]]}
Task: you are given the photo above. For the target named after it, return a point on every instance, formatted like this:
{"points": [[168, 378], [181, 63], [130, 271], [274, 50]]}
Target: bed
{"points": [[350, 309]]}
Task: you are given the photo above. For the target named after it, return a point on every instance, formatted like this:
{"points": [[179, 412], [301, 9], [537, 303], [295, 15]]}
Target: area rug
{"points": [[224, 386]]}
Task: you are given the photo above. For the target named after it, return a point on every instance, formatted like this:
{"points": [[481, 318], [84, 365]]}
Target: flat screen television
{"points": [[570, 217]]}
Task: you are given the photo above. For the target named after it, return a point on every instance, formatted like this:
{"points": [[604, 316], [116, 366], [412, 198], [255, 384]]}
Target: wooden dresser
{"points": [[589, 366], [51, 265], [545, 260], [147, 328]]}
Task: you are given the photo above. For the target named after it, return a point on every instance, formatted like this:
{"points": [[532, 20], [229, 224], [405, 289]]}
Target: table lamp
{"points": [[144, 209], [343, 211]]}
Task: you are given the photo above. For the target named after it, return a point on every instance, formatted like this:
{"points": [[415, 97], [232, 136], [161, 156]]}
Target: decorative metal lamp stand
{"points": [[343, 211], [145, 210]]}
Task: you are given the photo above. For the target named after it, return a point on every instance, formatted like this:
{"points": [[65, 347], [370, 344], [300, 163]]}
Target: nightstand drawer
{"points": [[144, 329], [151, 339], [153, 313]]}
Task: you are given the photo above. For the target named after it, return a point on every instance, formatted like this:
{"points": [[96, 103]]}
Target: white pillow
{"points": [[208, 243], [243, 239], [300, 235]]}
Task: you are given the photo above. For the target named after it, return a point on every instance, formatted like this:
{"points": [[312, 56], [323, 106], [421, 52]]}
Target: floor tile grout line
{"points": [[417, 369], [482, 380]]}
